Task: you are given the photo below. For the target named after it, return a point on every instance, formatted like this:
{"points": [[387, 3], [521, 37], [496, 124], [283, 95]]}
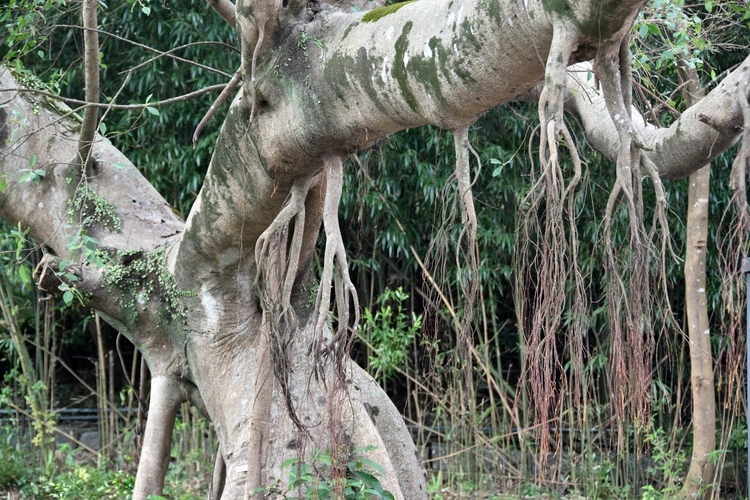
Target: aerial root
{"points": [[219, 477], [273, 239], [253, 84], [545, 256], [335, 266], [277, 262], [608, 69], [629, 296], [470, 285], [660, 221], [468, 212], [231, 86]]}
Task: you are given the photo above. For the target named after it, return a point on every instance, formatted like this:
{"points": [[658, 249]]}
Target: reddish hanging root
{"points": [[544, 258], [630, 299]]}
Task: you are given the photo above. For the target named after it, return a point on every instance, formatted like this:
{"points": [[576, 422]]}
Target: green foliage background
{"points": [[395, 200]]}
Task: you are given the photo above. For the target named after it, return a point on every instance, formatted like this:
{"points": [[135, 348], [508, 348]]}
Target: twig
{"points": [[146, 47], [181, 47], [155, 104], [231, 86]]}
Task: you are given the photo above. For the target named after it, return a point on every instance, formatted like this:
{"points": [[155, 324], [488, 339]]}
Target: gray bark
{"points": [[353, 83]]}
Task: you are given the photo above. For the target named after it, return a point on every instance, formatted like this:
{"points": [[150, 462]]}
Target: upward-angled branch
{"points": [[225, 9], [91, 61]]}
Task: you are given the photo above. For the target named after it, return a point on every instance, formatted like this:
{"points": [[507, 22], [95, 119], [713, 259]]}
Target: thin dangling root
{"points": [[469, 286], [231, 86], [335, 265], [629, 295], [543, 256]]}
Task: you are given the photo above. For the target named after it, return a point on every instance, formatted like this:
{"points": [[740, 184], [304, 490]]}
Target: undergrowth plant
{"points": [[321, 478], [390, 331]]}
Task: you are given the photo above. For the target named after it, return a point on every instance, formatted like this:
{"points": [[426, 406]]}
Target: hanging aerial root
{"points": [[629, 295], [277, 262], [231, 86], [608, 71], [335, 267], [468, 270], [273, 239], [543, 254], [660, 221]]}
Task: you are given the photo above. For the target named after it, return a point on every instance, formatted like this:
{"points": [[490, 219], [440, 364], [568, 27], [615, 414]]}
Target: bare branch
{"points": [[155, 104], [182, 47], [150, 49], [233, 84]]}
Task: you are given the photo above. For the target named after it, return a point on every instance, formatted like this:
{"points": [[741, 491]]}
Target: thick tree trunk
{"points": [[326, 83]]}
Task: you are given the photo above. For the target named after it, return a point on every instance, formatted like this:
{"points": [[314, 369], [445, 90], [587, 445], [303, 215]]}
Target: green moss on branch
{"points": [[380, 12]]}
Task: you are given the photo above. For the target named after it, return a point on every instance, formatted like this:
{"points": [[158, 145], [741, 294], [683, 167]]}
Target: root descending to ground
{"points": [[545, 255]]}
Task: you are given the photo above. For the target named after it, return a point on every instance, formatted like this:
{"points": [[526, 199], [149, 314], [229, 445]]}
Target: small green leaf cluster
{"points": [[313, 480], [140, 276], [30, 174], [19, 121], [92, 208], [79, 482], [142, 3], [24, 22], [69, 292], [391, 332]]}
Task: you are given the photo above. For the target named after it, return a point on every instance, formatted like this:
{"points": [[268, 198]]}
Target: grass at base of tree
{"points": [[75, 477]]}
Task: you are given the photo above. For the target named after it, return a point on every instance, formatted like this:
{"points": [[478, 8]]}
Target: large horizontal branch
{"points": [[335, 82]]}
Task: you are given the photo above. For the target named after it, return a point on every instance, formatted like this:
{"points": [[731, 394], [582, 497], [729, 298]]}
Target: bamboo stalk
{"points": [[101, 393]]}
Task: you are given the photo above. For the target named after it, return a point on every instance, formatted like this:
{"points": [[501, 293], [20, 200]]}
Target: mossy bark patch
{"points": [[399, 68], [425, 68], [379, 13], [359, 68]]}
